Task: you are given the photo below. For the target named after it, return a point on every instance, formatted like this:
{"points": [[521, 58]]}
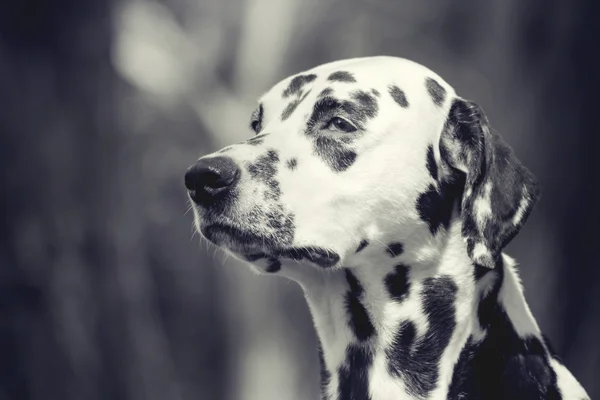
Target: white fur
{"points": [[522, 206], [483, 205], [512, 298], [567, 384]]}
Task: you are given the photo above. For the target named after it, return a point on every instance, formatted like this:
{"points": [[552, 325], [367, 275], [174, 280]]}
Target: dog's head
{"points": [[364, 150]]}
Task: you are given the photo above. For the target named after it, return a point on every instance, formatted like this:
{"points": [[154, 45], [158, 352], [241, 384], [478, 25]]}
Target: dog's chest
{"points": [[387, 335]]}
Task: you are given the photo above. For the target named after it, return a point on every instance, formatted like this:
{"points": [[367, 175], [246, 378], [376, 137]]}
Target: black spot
{"points": [[292, 163], [399, 96], [264, 170], [397, 283], [335, 153], [327, 107], [435, 205], [290, 108], [353, 376], [276, 220], [326, 92], [503, 365], [297, 83], [434, 209], [431, 164], [325, 374], [367, 104], [436, 91], [341, 76], [416, 360], [355, 286], [359, 320], [274, 265], [375, 92], [405, 337], [479, 271], [462, 386], [395, 249], [277, 224], [364, 243]]}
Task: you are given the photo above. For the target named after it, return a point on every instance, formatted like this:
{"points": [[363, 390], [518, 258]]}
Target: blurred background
{"points": [[104, 291]]}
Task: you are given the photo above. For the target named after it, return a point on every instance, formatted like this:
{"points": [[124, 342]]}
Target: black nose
{"points": [[211, 179]]}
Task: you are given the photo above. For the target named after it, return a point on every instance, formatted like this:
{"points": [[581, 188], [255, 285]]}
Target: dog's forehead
{"points": [[342, 77]]}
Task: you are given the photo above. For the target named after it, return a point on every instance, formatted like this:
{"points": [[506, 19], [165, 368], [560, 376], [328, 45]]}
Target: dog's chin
{"points": [[252, 247], [237, 240]]}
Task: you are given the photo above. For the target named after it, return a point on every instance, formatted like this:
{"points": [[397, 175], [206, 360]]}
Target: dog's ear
{"points": [[499, 192]]}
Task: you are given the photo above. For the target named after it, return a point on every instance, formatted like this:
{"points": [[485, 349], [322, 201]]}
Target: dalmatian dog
{"points": [[389, 199]]}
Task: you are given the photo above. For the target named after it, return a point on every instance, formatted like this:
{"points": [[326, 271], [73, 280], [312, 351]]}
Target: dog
{"points": [[389, 199]]}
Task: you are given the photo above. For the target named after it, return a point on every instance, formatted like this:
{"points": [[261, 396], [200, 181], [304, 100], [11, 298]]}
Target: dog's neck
{"points": [[393, 326]]}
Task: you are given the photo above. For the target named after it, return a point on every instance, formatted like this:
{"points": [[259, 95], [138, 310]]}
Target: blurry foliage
{"points": [[104, 291]]}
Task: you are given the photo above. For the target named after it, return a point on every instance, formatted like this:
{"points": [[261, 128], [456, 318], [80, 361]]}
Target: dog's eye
{"points": [[340, 124]]}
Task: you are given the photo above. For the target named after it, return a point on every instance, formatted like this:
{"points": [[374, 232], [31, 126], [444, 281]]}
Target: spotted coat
{"points": [[389, 199]]}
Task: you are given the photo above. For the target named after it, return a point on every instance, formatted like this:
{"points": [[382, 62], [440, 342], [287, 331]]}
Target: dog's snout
{"points": [[211, 178]]}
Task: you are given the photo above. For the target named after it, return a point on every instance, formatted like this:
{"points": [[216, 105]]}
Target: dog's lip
{"points": [[255, 247], [317, 255], [242, 236]]}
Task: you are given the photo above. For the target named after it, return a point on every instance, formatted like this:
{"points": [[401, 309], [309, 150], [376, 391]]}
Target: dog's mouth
{"points": [[316, 255], [253, 246]]}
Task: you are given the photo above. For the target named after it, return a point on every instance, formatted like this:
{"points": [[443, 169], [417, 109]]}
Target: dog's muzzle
{"points": [[211, 180], [211, 183]]}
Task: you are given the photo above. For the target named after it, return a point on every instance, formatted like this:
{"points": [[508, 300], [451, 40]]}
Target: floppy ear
{"points": [[499, 192]]}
